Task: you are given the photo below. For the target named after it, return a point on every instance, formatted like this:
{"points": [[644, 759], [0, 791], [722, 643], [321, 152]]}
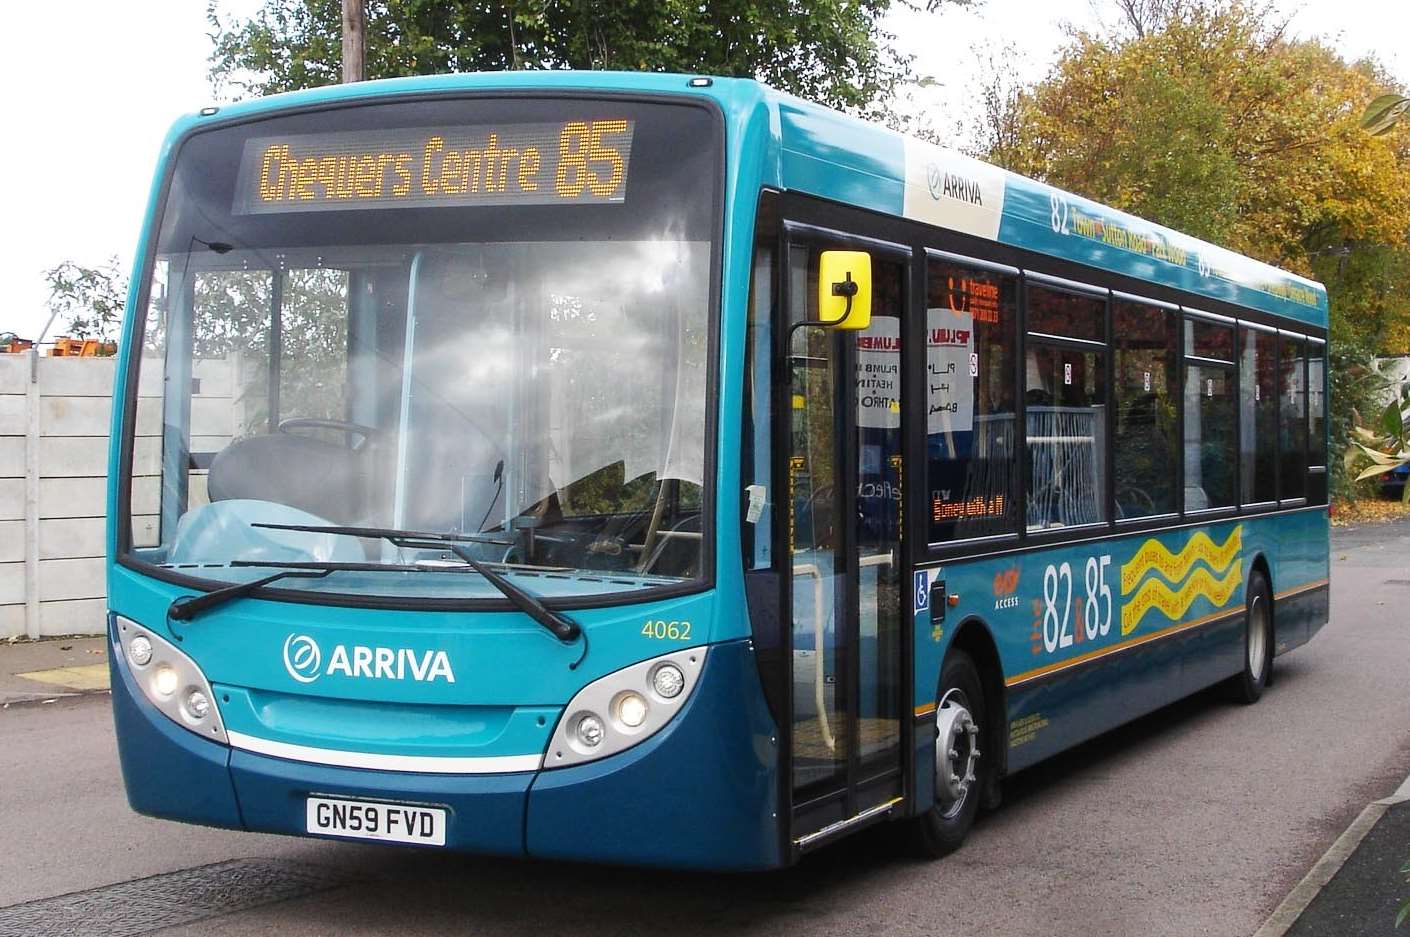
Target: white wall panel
{"points": [[71, 579], [80, 616], [12, 452], [63, 538]]}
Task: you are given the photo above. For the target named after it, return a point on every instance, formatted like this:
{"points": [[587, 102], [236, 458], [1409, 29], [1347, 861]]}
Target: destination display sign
{"points": [[576, 162]]}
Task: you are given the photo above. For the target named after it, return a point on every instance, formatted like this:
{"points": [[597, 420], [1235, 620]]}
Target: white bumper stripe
{"points": [[426, 764]]}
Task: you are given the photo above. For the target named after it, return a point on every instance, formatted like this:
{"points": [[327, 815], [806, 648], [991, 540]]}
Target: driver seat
{"points": [[313, 475]]}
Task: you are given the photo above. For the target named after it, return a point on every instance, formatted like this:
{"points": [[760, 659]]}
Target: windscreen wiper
{"points": [[562, 627], [189, 606], [186, 607], [400, 538]]}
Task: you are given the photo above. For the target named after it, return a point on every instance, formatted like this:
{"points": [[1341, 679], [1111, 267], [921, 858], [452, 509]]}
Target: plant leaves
{"points": [[1377, 456], [1392, 420], [1382, 468], [1382, 113]]}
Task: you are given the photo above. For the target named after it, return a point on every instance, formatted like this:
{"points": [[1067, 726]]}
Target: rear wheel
{"points": [[1248, 686], [961, 767]]}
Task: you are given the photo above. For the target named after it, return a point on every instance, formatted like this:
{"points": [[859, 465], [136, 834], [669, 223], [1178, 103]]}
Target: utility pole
{"points": [[354, 41]]}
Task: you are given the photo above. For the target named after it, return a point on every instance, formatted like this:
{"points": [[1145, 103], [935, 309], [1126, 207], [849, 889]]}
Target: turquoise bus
{"points": [[664, 470]]}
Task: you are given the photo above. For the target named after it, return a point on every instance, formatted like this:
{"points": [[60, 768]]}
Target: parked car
{"points": [[1393, 482]]}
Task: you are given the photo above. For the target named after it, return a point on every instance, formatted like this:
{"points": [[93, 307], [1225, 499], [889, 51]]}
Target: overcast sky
{"points": [[86, 125]]}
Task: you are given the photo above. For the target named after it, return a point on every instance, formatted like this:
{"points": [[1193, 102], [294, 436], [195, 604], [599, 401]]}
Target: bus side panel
{"points": [[1302, 613], [1301, 567], [1093, 635], [1049, 716]]}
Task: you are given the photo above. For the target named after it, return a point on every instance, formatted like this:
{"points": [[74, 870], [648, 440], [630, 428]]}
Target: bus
{"points": [[664, 470]]}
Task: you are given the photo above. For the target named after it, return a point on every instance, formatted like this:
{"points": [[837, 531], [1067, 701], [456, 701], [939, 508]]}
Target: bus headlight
{"points": [[631, 710], [139, 651], [668, 681], [169, 679], [617, 711], [590, 730]]}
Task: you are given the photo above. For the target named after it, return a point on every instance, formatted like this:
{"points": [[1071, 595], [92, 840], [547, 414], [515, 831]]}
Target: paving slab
{"points": [[1363, 897], [34, 671]]}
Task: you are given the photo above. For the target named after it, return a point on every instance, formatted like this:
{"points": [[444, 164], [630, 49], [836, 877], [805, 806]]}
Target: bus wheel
{"points": [[1248, 686], [961, 771]]}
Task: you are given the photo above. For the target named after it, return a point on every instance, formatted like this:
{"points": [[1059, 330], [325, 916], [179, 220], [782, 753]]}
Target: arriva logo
{"points": [[303, 659]]}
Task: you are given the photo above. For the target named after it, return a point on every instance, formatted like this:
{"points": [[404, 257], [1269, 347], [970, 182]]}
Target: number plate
{"points": [[365, 819]]}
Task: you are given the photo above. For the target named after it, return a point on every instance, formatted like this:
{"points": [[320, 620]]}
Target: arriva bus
{"points": [[665, 470]]}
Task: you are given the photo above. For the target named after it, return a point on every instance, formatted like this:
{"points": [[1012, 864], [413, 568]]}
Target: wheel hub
{"points": [[956, 752]]}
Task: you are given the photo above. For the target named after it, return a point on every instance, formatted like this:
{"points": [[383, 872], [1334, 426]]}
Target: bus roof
{"points": [[820, 151]]}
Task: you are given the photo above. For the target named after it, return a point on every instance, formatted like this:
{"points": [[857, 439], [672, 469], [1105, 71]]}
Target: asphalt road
{"points": [[1196, 820]]}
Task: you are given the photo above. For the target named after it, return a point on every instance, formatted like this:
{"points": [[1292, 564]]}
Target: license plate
{"points": [[365, 819]]}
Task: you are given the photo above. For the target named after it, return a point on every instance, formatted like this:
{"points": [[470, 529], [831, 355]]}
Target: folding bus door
{"points": [[843, 478]]}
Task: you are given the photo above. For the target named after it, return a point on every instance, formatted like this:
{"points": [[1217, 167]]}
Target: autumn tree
{"points": [[1204, 116], [831, 51]]}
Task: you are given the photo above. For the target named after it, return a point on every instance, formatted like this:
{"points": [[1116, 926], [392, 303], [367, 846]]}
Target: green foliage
{"points": [[1387, 442], [832, 51], [88, 300], [1355, 388]]}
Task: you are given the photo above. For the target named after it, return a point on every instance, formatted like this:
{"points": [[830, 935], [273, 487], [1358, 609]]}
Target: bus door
{"points": [[843, 533]]}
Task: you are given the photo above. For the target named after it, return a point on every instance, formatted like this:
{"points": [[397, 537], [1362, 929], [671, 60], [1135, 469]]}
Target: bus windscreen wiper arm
{"points": [[563, 627], [434, 540], [186, 607]]}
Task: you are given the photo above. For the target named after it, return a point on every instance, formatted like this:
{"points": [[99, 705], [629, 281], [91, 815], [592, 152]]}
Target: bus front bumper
{"points": [[700, 793]]}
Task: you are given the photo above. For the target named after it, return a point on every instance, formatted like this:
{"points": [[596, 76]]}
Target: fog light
{"points": [[668, 681], [591, 730], [631, 710], [140, 651], [197, 705], [165, 681]]}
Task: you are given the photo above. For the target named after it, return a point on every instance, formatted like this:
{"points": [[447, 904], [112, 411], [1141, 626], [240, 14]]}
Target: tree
{"points": [[88, 300], [831, 51], [1202, 115]]}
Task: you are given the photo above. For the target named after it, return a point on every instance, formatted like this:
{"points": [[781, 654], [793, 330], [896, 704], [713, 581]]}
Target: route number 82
{"points": [[1057, 602]]}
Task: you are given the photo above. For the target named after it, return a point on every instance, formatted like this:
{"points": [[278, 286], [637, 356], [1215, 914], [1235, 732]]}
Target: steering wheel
{"points": [[366, 433]]}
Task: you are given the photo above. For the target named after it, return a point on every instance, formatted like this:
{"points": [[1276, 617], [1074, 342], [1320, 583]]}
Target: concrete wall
{"points": [[54, 415]]}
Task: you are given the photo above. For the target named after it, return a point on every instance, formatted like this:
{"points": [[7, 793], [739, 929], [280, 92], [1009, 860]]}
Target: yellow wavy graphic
{"points": [[1153, 555], [1174, 604]]}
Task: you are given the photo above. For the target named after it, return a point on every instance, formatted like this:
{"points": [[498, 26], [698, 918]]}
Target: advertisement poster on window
{"points": [[879, 374], [950, 369]]}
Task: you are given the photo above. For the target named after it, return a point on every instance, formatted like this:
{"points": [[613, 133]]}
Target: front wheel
{"points": [[961, 768], [1248, 686]]}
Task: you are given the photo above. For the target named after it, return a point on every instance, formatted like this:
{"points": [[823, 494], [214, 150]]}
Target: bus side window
{"points": [[1065, 408], [1316, 422], [1292, 418], [971, 432], [1145, 407], [1258, 415], [756, 460], [1210, 450]]}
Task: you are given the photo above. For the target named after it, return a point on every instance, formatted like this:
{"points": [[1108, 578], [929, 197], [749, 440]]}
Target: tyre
{"points": [[962, 768], [1248, 686]]}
